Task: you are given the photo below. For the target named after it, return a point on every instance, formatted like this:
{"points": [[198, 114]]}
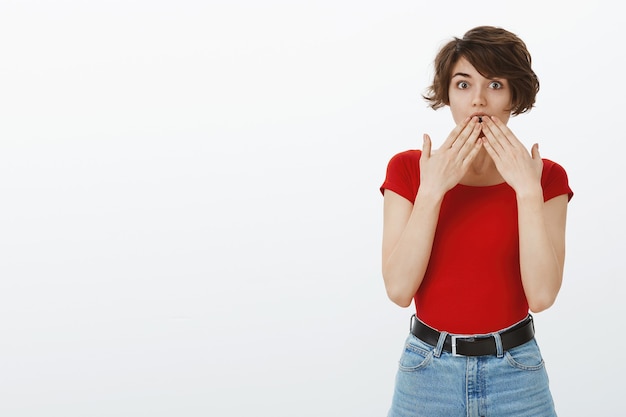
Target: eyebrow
{"points": [[462, 74]]}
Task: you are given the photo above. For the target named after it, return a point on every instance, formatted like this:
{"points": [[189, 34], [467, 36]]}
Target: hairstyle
{"points": [[495, 53]]}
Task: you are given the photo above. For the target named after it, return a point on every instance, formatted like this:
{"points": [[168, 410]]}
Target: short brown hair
{"points": [[495, 53]]}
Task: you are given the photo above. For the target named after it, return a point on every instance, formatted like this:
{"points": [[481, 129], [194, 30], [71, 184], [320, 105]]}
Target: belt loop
{"points": [[499, 350], [440, 342]]}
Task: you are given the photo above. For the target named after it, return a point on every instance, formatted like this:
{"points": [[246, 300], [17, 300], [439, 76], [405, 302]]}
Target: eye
{"points": [[462, 85], [496, 85]]}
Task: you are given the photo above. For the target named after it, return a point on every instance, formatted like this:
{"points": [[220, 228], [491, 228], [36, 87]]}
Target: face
{"points": [[472, 94]]}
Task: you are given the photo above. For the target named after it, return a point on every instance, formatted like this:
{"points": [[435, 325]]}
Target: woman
{"points": [[474, 234]]}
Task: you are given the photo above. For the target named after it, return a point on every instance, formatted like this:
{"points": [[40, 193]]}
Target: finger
{"points": [[502, 131], [454, 134], [469, 133], [473, 151], [471, 130], [470, 142], [534, 151], [427, 146], [495, 142], [491, 150]]}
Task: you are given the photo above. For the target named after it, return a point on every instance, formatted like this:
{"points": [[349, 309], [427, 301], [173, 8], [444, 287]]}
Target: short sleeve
{"points": [[403, 174], [554, 181]]}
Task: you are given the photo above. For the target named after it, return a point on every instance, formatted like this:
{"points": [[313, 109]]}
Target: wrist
{"points": [[534, 192], [427, 194]]}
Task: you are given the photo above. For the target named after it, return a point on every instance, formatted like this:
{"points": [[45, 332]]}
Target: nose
{"points": [[479, 98]]}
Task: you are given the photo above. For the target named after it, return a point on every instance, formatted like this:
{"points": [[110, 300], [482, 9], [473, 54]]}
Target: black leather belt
{"points": [[475, 345]]}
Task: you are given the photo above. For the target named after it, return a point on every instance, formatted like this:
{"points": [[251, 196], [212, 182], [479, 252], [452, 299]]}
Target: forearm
{"points": [[405, 264], [540, 265]]}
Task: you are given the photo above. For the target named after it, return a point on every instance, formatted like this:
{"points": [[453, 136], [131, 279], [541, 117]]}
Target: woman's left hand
{"points": [[519, 168]]}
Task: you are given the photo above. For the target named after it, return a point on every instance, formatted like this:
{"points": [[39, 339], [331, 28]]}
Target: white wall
{"points": [[190, 218]]}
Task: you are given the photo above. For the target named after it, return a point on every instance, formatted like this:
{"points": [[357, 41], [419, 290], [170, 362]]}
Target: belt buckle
{"points": [[454, 337]]}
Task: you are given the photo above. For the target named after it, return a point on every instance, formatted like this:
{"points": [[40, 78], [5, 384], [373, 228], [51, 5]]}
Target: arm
{"points": [[541, 224], [409, 229], [542, 247], [408, 233]]}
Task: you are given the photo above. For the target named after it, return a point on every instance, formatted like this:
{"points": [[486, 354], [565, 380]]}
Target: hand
{"points": [[519, 168], [443, 169]]}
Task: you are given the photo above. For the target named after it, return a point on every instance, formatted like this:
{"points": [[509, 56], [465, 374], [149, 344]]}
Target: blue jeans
{"points": [[434, 383]]}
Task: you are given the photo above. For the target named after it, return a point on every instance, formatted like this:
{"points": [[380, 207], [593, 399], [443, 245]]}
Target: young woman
{"points": [[474, 234]]}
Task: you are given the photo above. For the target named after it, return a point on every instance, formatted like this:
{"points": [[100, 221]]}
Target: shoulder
{"points": [[408, 159], [549, 165], [403, 174], [408, 155], [552, 170], [554, 180], [406, 162]]}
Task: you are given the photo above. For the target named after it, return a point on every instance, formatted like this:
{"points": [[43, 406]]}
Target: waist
{"points": [[475, 345]]}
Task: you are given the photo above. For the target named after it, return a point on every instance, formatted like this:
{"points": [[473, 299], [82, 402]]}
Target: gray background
{"points": [[190, 218]]}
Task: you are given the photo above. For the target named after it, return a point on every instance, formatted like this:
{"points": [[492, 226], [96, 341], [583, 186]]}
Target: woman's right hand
{"points": [[441, 170]]}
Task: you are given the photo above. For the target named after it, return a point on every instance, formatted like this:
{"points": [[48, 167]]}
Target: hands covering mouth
{"points": [[444, 169], [480, 116]]}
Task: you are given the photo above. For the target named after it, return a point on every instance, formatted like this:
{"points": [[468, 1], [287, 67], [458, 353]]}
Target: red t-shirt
{"points": [[473, 283]]}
